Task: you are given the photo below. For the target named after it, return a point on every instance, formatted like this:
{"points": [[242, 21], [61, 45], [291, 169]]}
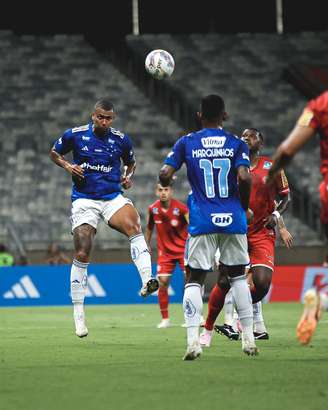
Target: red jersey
{"points": [[171, 227], [315, 115], [262, 200]]}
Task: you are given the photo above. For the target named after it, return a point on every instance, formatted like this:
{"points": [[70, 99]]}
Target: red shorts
{"points": [[166, 266], [323, 190], [261, 248]]}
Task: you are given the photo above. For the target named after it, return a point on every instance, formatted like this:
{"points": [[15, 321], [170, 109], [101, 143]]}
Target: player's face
{"points": [[252, 139], [164, 193], [102, 120]]}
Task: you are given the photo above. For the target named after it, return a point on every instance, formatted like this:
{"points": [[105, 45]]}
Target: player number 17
{"points": [[223, 164]]}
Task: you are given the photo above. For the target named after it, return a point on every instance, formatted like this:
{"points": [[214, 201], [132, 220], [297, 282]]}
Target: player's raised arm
{"points": [[285, 235], [166, 174], [59, 159], [128, 172], [149, 229], [297, 138], [244, 185], [129, 162]]}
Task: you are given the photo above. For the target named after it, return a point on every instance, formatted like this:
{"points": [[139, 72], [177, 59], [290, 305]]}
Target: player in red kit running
{"points": [[170, 217], [261, 233], [313, 121]]}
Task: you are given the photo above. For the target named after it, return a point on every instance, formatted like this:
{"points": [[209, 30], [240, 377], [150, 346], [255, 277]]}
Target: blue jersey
{"points": [[100, 158], [212, 157]]}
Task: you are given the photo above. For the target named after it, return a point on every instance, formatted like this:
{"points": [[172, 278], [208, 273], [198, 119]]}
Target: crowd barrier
{"points": [[120, 284], [50, 285]]}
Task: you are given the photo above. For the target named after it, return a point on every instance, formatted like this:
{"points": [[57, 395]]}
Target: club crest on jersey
{"points": [[222, 219], [174, 222], [213, 142], [176, 211], [155, 211], [267, 165]]}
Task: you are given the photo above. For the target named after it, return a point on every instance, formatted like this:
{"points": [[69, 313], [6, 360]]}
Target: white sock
{"points": [[192, 308], [235, 320], [228, 309], [243, 301], [259, 326], [141, 257], [79, 283]]}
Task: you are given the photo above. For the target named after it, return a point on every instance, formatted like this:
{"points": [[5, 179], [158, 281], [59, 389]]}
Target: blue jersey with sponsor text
{"points": [[100, 158], [212, 157]]}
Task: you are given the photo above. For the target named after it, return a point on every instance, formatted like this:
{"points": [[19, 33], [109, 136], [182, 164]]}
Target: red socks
{"points": [[215, 305], [163, 300]]}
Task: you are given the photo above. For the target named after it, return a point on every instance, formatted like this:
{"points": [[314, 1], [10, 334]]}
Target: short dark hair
{"points": [[256, 131], [212, 107], [105, 104], [169, 185]]}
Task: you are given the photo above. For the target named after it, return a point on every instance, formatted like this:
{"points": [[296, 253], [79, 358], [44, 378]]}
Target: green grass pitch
{"points": [[127, 363]]}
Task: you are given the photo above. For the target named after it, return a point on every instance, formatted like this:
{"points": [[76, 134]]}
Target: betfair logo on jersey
{"points": [[213, 142], [222, 220], [101, 168]]}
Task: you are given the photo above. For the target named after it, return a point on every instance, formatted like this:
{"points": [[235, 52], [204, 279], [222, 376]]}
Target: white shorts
{"points": [[203, 251], [89, 211]]}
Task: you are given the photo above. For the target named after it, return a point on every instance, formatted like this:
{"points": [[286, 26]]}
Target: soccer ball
{"points": [[159, 64]]}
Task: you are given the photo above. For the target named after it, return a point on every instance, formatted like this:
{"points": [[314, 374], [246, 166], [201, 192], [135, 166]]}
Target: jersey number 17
{"points": [[223, 165]]}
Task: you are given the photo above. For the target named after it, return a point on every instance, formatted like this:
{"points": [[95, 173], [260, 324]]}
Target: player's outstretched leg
{"points": [[310, 316], [227, 328], [192, 307], [163, 301], [260, 331], [215, 304], [141, 258], [78, 290], [242, 298]]}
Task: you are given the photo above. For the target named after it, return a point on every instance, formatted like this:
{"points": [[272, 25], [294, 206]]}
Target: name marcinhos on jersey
{"points": [[98, 167], [212, 152]]}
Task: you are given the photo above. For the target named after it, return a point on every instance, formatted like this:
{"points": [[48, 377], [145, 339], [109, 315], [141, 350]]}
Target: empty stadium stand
{"points": [[50, 83]]}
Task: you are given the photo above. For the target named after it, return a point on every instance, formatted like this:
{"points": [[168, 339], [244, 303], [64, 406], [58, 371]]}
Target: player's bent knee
{"points": [[82, 255]]}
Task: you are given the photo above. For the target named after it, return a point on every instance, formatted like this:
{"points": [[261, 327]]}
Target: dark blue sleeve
{"points": [[242, 155], [128, 153], [65, 143], [176, 157]]}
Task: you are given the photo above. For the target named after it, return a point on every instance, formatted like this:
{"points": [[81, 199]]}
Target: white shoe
{"points": [[164, 323], [80, 328], [205, 338], [248, 344], [193, 352], [184, 324]]}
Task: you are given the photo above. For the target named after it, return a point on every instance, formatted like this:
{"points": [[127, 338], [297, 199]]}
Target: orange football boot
{"points": [[309, 319]]}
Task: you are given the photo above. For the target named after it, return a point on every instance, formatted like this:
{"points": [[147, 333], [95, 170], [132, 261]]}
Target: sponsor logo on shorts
{"points": [[223, 219]]}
